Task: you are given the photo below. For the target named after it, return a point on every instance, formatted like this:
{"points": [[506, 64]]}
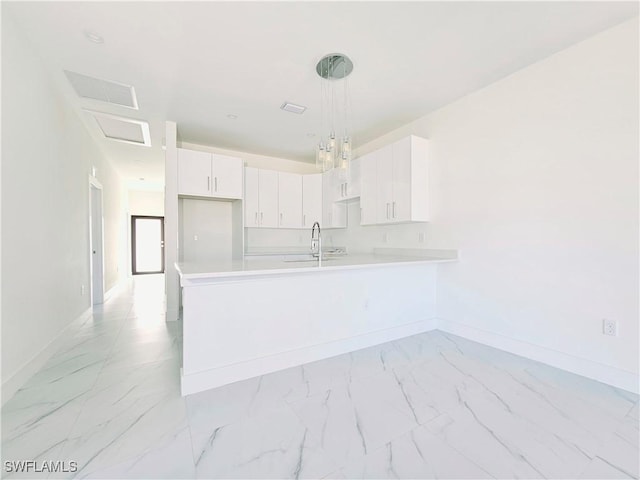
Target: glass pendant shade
{"points": [[320, 156], [329, 158], [332, 142]]}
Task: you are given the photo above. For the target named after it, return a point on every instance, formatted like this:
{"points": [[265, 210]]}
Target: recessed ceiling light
{"points": [[292, 107], [311, 135], [93, 37], [231, 116], [141, 178]]}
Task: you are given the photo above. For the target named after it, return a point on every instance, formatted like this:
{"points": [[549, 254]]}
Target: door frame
{"points": [[133, 243], [96, 242]]}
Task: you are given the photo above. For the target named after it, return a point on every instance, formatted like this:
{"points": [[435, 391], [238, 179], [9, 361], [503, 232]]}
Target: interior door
{"points": [[147, 244], [96, 246]]}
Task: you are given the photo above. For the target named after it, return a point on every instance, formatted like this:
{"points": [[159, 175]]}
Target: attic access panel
{"points": [[103, 90]]}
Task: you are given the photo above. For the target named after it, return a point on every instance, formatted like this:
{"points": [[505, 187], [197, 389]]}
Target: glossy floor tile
{"points": [[428, 406]]}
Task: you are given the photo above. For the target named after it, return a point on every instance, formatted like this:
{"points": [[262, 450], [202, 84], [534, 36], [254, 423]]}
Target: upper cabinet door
{"points": [[251, 197], [352, 188], [327, 199], [268, 187], [290, 200], [401, 181], [311, 199], [368, 189], [227, 176], [194, 173], [384, 189]]}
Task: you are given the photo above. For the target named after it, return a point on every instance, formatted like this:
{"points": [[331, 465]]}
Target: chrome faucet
{"points": [[316, 242]]}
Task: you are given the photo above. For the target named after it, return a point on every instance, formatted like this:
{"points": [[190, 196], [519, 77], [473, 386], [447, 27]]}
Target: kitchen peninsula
{"points": [[249, 317]]}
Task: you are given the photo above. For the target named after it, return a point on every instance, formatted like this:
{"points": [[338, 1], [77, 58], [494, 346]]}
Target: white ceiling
{"points": [[197, 62]]}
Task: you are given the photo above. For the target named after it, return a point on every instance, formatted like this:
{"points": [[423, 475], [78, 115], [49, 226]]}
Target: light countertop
{"points": [[278, 266]]}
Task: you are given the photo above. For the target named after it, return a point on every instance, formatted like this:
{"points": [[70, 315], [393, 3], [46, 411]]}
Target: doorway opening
{"points": [[147, 244], [96, 242]]}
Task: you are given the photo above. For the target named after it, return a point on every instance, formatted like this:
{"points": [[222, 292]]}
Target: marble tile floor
{"points": [[429, 406]]}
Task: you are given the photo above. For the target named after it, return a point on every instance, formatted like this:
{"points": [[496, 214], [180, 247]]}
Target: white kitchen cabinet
{"points": [[354, 185], [251, 197], [368, 189], [347, 184], [334, 213], [311, 199], [261, 198], [384, 184], [204, 174], [227, 176], [290, 200], [194, 173], [400, 193]]}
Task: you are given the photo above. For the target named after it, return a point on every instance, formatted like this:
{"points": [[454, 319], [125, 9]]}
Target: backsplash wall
{"points": [[356, 238]]}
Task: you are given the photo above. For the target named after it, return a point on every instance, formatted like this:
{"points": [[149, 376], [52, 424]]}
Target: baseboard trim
{"points": [[15, 382], [197, 382], [114, 288], [581, 366]]}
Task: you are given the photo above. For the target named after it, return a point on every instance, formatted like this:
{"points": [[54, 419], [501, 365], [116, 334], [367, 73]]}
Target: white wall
{"points": [[364, 239], [535, 180], [146, 202], [205, 230], [47, 156]]}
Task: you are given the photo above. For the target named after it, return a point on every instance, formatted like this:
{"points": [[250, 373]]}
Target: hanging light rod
{"points": [[334, 66]]}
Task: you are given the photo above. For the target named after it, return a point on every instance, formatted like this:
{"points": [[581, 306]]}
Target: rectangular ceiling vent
{"points": [[103, 90], [293, 108], [122, 129]]}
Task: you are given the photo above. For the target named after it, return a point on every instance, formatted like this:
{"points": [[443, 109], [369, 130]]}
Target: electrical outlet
{"points": [[421, 237], [609, 327], [195, 237]]}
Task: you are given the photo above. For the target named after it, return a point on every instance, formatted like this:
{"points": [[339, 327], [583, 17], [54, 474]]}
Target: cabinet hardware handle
{"points": [[393, 210], [280, 218], [215, 180], [256, 218], [208, 183], [304, 220], [261, 217]]}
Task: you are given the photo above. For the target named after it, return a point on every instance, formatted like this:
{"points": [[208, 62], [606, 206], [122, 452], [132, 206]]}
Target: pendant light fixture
{"points": [[336, 145]]}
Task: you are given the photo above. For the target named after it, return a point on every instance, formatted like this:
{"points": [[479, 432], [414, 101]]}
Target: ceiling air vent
{"points": [[292, 107], [103, 90], [122, 129]]}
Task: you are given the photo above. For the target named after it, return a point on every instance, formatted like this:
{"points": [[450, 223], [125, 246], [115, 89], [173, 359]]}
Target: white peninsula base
{"points": [[241, 321]]}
